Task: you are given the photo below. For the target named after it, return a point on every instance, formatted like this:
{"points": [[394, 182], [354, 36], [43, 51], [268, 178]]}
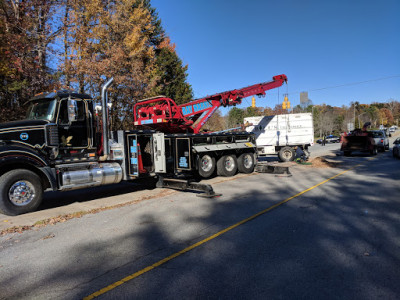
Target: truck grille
{"points": [[52, 135]]}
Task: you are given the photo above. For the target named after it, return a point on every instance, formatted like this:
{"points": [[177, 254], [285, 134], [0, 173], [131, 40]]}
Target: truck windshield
{"points": [[41, 110]]}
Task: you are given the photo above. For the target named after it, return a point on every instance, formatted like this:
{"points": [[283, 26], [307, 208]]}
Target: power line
{"points": [[347, 84], [328, 87]]}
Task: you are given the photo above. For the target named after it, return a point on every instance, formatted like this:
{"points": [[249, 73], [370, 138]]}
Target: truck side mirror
{"points": [[72, 110]]}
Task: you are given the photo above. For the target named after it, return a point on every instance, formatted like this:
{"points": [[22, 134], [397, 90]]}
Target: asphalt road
{"points": [[324, 233], [329, 149]]}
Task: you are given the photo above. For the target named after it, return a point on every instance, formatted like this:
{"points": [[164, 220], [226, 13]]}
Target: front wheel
{"points": [[246, 163], [206, 165], [21, 191], [286, 154]]}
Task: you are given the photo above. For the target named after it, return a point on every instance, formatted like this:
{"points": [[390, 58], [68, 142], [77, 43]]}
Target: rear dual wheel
{"points": [[206, 165], [246, 163], [227, 165]]}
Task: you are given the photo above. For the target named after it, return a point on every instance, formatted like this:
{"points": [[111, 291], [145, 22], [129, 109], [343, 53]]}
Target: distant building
{"points": [[304, 101]]}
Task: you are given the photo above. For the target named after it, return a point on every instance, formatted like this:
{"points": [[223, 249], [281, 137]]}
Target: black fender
{"points": [[13, 157]]}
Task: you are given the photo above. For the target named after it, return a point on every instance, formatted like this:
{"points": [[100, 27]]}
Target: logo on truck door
{"points": [[24, 136]]}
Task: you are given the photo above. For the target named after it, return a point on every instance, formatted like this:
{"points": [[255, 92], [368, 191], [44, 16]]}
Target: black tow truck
{"points": [[62, 145]]}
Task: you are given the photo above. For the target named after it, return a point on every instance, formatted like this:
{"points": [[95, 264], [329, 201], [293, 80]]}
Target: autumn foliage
{"points": [[79, 44], [329, 119]]}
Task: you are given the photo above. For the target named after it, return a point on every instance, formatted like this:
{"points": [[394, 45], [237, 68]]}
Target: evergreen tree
{"points": [[172, 76], [169, 74], [235, 117]]}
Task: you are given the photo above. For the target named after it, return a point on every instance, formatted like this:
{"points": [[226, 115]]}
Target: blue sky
{"points": [[317, 44]]}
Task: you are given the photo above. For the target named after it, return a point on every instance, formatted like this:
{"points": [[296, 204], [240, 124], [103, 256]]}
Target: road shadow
{"points": [[59, 199], [337, 241]]}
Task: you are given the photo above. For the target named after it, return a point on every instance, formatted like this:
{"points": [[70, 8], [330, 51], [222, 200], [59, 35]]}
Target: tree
{"points": [[278, 110], [25, 34], [119, 38], [109, 39], [235, 117], [267, 111], [253, 111], [171, 75], [373, 114], [386, 117], [324, 119], [216, 122], [394, 108]]}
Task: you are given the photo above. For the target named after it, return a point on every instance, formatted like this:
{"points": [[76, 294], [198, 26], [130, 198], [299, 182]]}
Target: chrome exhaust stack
{"points": [[104, 104]]}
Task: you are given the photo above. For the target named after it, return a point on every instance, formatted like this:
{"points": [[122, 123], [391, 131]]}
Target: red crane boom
{"points": [[165, 115]]}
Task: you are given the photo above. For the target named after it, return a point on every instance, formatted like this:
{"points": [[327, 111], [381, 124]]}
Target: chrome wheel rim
{"points": [[287, 154], [229, 163], [21, 193], [206, 163], [247, 161]]}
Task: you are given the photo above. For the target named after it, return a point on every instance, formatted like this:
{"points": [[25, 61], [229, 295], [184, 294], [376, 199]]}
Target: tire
{"points": [[227, 165], [286, 154], [206, 165], [246, 163], [21, 191]]}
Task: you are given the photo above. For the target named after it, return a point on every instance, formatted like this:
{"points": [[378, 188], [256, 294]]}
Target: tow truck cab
{"points": [[56, 148], [59, 127]]}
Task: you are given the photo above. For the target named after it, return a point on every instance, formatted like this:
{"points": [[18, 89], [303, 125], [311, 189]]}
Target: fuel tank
{"points": [[105, 173]]}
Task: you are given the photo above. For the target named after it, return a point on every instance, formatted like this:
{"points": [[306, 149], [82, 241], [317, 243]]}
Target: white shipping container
{"points": [[281, 133]]}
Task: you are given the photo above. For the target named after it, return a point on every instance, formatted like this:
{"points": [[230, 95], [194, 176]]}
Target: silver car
{"points": [[381, 140], [396, 148]]}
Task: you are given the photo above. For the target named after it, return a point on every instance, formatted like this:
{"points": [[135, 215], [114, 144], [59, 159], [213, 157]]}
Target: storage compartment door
{"points": [[159, 153], [183, 159], [133, 155]]}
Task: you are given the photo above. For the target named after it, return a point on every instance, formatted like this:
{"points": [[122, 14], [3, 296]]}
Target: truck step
{"points": [[206, 190]]}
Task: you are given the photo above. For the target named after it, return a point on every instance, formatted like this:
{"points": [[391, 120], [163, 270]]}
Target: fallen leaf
{"points": [[50, 236]]}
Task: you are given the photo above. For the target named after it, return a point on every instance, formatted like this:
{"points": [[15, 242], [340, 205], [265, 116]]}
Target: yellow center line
{"points": [[191, 247]]}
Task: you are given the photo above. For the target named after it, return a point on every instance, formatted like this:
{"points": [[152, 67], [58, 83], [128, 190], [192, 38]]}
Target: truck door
{"points": [[159, 153], [74, 135]]}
